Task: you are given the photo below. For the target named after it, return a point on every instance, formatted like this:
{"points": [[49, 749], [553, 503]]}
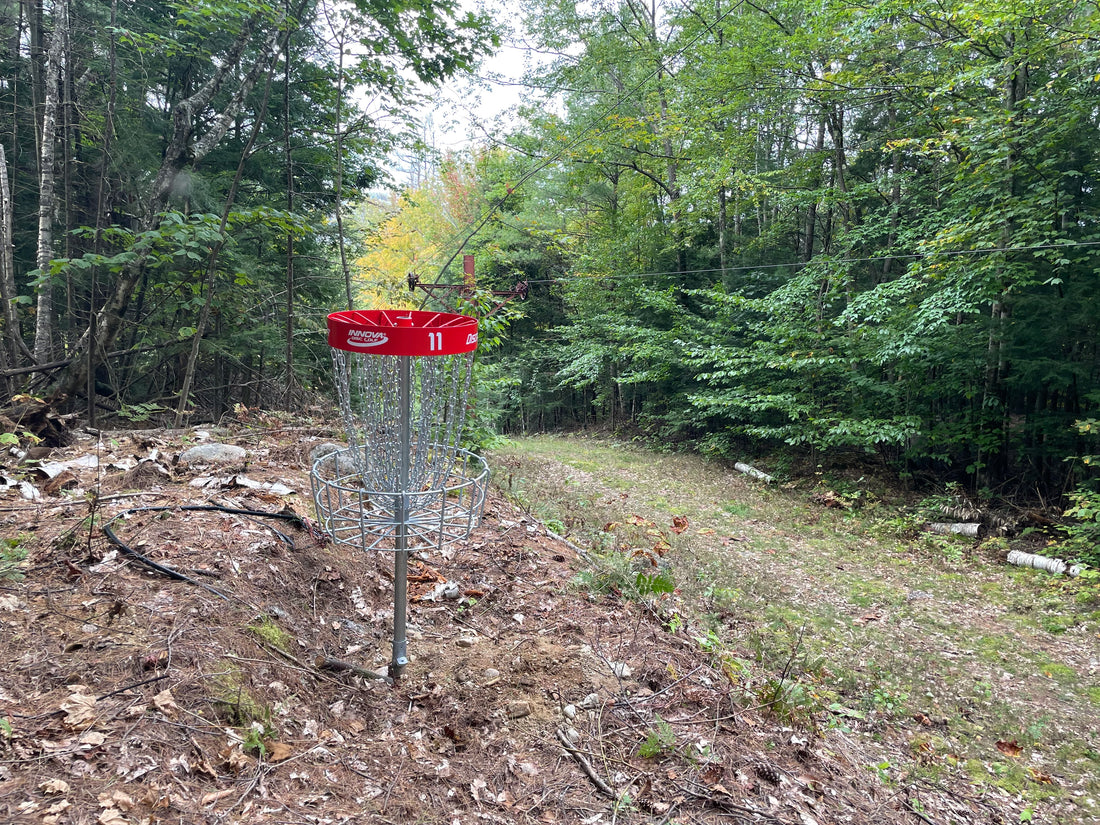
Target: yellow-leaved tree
{"points": [[420, 231]]}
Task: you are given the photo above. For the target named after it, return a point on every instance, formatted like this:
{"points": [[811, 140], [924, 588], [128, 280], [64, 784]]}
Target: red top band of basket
{"points": [[402, 332]]}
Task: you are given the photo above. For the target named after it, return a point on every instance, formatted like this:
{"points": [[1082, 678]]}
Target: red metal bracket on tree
{"points": [[468, 287]]}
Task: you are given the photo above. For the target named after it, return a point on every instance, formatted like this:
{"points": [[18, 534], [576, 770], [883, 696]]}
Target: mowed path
{"points": [[961, 656]]}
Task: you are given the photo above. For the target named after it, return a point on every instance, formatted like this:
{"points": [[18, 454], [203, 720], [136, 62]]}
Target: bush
{"points": [[1084, 531]]}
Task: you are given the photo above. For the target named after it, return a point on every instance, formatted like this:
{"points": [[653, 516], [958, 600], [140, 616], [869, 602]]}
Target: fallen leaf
{"points": [[679, 524], [235, 759], [1010, 748], [93, 739], [279, 752], [52, 787], [1039, 776], [112, 816], [712, 775], [120, 800], [79, 710], [706, 531], [166, 703], [868, 617], [214, 796], [637, 520], [52, 815], [58, 483]]}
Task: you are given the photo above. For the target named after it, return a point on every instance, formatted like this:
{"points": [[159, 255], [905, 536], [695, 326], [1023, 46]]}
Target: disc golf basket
{"points": [[403, 484]]}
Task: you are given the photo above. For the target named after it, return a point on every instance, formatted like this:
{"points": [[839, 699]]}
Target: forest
{"points": [[782, 228]]}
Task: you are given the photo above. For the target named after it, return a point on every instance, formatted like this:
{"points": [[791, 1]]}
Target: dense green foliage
{"points": [[825, 226], [177, 223]]}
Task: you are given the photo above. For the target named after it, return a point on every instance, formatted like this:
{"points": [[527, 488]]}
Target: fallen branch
{"points": [[600, 784], [578, 550], [959, 528], [752, 472], [1044, 563], [323, 662], [159, 568]]}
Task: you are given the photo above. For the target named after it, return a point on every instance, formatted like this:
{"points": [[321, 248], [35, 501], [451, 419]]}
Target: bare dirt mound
{"points": [[247, 691]]}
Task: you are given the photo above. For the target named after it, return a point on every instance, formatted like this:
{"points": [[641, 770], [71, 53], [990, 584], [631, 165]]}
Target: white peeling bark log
{"points": [[753, 472], [971, 529]]}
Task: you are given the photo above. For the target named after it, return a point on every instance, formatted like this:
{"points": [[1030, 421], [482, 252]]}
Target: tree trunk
{"points": [[212, 264], [809, 238], [184, 148], [47, 195], [101, 208], [290, 381], [8, 347]]}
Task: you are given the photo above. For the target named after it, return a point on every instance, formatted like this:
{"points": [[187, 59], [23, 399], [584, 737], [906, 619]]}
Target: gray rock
{"points": [[518, 709], [214, 454], [621, 669], [322, 450]]}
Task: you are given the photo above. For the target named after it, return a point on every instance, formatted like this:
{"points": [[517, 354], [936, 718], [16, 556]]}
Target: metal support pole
{"points": [[401, 540]]}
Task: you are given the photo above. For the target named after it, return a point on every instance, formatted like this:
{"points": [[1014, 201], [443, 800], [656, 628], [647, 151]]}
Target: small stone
{"points": [[464, 641], [569, 711], [492, 673], [621, 669], [592, 700], [572, 735], [518, 709], [214, 454]]}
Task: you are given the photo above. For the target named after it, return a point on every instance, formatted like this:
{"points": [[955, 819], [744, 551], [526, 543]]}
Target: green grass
{"points": [[13, 554], [871, 613]]}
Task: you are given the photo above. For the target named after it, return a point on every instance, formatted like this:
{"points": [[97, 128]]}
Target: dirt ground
{"points": [[248, 691]]}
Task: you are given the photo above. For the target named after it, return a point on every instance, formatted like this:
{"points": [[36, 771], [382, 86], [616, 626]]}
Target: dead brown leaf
{"points": [[679, 524], [165, 703], [52, 787], [1012, 748], [279, 752], [1039, 776], [79, 709]]}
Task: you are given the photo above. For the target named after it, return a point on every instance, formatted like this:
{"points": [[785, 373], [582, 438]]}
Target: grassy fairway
{"points": [[953, 664]]}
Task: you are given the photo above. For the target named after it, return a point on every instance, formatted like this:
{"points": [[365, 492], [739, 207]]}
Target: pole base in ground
{"points": [[400, 608]]}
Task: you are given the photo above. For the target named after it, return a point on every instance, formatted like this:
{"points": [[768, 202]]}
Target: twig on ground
{"points": [[159, 568], [589, 771], [131, 687], [340, 666]]}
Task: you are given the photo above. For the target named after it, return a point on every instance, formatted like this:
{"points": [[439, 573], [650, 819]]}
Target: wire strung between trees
{"points": [[911, 256]]}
